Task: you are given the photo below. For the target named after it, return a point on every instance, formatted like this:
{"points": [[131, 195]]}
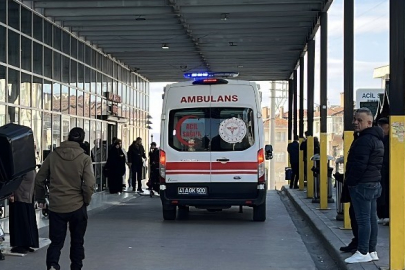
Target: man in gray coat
{"points": [[71, 185]]}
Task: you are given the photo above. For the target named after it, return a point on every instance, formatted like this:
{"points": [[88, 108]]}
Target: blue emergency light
{"points": [[204, 75]]}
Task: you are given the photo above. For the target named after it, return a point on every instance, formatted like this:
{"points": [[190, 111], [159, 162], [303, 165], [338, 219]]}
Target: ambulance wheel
{"points": [[169, 213], [183, 212], [259, 212]]}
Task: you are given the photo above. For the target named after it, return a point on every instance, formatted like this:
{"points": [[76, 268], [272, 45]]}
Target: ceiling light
{"points": [[224, 16], [165, 46], [240, 66]]}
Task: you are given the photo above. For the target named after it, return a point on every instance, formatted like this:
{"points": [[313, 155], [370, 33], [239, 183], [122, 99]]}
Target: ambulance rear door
{"points": [[188, 128], [234, 139]]}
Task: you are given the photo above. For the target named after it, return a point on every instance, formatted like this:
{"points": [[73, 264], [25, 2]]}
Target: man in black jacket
{"points": [[136, 156], [293, 150], [363, 178]]}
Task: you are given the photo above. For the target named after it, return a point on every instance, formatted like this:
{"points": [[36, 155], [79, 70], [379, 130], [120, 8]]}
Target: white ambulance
{"points": [[212, 146]]}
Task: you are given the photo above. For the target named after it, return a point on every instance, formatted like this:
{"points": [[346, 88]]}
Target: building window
{"points": [[279, 156], [280, 136], [52, 81]]}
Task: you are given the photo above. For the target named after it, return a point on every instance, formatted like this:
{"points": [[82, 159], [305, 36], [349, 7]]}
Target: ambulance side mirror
{"points": [[268, 151]]}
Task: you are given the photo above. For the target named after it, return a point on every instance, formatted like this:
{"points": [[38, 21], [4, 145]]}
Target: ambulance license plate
{"points": [[192, 191]]}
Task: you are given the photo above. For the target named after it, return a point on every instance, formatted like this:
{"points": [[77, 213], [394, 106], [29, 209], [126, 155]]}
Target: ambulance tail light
{"points": [[260, 166], [162, 166]]}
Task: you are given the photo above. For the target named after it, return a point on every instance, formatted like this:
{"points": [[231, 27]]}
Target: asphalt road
{"points": [[133, 235]]}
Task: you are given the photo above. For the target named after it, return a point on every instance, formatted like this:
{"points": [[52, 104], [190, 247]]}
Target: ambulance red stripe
{"points": [[212, 172], [211, 166]]}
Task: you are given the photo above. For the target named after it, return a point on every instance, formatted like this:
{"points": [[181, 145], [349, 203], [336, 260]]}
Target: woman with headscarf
{"points": [[23, 223], [115, 167]]}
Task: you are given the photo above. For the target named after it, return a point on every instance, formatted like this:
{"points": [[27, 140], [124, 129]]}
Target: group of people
{"points": [[135, 159], [68, 174], [366, 184], [293, 150]]}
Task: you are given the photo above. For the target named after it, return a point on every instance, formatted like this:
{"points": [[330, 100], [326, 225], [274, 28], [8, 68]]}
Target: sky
{"points": [[371, 26]]}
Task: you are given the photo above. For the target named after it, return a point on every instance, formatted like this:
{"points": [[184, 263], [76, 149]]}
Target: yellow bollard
{"points": [[346, 220], [348, 139], [310, 176], [301, 167], [397, 193], [323, 177]]}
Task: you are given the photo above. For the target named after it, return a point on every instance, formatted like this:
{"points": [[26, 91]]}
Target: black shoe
{"points": [[140, 190], [29, 249], [349, 248], [20, 250]]}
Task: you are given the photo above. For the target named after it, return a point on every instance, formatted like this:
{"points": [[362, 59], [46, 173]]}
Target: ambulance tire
{"points": [[169, 213], [259, 212], [183, 212]]}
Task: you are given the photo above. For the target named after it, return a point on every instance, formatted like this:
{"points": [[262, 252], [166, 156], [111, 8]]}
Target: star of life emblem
{"points": [[232, 130]]}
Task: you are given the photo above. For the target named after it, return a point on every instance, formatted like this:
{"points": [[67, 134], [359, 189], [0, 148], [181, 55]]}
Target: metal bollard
{"points": [[316, 172], [339, 176]]}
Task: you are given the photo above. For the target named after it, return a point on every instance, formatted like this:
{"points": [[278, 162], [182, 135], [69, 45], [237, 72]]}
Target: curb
{"points": [[329, 239]]}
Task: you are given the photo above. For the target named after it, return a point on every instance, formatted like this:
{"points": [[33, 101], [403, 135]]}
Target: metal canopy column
{"points": [[310, 116], [348, 73], [290, 108], [295, 123], [323, 177], [290, 115], [397, 143], [301, 123]]}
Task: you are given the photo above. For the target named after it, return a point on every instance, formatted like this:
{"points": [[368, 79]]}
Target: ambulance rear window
{"points": [[211, 129]]}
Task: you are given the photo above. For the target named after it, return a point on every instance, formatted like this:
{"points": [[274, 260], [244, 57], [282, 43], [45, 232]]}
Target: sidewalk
{"points": [[328, 229], [100, 201]]}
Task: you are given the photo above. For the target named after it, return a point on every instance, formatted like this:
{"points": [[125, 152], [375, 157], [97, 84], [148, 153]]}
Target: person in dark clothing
{"points": [[115, 167], [303, 147], [136, 154], [363, 176], [383, 209], [317, 147], [154, 168], [294, 151], [71, 184], [23, 224]]}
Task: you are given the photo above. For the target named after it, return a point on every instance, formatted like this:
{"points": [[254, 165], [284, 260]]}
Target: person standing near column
{"points": [[293, 150], [363, 176], [383, 208]]}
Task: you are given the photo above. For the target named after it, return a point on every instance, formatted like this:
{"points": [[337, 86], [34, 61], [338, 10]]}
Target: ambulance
{"points": [[212, 153]]}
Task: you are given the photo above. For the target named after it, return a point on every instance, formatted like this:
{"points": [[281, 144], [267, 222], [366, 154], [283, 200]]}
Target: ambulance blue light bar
{"points": [[203, 75]]}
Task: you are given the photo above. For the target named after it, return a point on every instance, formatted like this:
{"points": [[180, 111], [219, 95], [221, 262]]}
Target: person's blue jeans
{"points": [[364, 199]]}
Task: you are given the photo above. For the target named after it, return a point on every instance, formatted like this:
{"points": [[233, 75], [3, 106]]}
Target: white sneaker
{"points": [[358, 258], [380, 221], [374, 256]]}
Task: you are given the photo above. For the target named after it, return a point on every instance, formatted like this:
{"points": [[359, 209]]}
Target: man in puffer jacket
{"points": [[71, 184], [363, 178]]}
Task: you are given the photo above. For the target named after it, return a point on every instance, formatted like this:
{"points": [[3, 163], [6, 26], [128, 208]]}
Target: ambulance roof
{"points": [[190, 83]]}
